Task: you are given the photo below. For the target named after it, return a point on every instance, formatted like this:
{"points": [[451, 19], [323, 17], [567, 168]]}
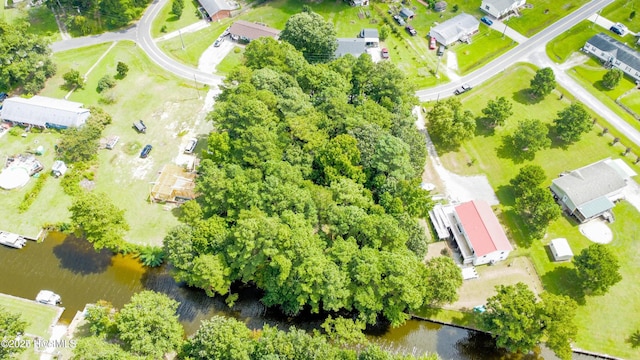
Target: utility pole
{"points": [[182, 41]]}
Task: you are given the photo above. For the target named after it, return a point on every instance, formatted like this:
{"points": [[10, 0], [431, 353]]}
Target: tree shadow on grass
{"points": [[484, 127], [516, 228], [78, 256], [524, 97], [634, 339], [174, 18], [556, 142], [507, 150], [563, 280], [505, 195]]}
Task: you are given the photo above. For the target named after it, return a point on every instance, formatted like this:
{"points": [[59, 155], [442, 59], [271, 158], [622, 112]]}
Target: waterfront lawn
{"points": [[168, 105], [230, 61], [561, 47], [190, 15], [195, 43], [543, 14], [39, 316], [486, 46], [603, 335], [619, 11]]}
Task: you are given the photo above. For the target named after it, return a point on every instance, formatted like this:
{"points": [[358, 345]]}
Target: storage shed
{"points": [[560, 249], [59, 168]]}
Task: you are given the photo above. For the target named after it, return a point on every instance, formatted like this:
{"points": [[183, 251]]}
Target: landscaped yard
{"points": [[41, 20], [170, 22], [486, 46], [39, 316], [600, 317], [560, 48], [195, 43], [230, 61], [543, 14]]}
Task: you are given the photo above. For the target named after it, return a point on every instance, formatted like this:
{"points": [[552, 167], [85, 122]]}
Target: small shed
{"points": [[560, 249], [440, 6], [407, 14], [59, 168]]}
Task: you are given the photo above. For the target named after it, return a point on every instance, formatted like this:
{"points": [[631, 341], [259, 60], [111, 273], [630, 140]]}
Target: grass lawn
{"points": [[41, 20], [632, 101], [619, 11], [543, 14], [168, 105], [560, 48], [486, 46], [230, 61], [500, 166], [190, 15], [39, 316], [195, 43]]}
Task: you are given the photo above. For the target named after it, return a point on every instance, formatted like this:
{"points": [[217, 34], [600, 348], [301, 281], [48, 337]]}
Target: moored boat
{"points": [[12, 240], [48, 297]]}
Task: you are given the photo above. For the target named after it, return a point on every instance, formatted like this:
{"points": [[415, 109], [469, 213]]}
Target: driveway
{"points": [[213, 55]]}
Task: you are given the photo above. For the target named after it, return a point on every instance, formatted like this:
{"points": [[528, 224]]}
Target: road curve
{"points": [[141, 34], [516, 54]]}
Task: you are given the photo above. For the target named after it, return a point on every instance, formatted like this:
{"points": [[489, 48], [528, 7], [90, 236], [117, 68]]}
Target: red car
{"points": [[432, 43], [385, 53]]}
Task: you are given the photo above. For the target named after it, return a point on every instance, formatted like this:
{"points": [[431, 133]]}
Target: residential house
{"points": [[589, 192], [458, 28], [247, 31], [218, 9], [475, 231], [353, 46], [371, 37], [613, 53], [43, 111], [407, 14], [500, 8]]}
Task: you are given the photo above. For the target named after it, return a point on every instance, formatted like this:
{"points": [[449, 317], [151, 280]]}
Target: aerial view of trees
{"points": [[518, 321], [598, 269], [543, 83], [534, 203], [11, 325], [612, 78], [498, 111], [26, 59], [94, 217], [531, 136], [310, 34], [87, 17], [312, 190], [572, 122], [449, 124]]}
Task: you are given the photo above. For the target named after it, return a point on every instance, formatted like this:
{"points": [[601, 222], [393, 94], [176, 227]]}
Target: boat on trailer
{"points": [[12, 240]]}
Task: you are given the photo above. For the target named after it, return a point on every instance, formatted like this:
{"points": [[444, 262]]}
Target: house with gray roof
{"points": [[589, 192], [218, 9], [44, 112], [500, 8], [248, 31], [353, 46], [613, 53], [458, 28]]}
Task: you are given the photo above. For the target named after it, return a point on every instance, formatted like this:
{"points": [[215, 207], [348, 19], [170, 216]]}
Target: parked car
{"points": [[3, 96], [486, 20], [145, 151], [218, 42], [432, 43], [619, 29], [140, 126], [191, 146], [441, 50], [462, 89], [411, 30], [399, 20], [384, 53]]}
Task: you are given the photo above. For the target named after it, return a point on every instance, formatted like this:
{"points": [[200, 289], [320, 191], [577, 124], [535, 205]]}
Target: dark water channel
{"points": [[71, 268]]}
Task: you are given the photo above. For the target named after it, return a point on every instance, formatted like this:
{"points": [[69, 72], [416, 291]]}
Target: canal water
{"points": [[71, 268]]}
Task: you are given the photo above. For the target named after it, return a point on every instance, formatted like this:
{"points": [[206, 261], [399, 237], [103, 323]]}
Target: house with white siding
{"points": [[458, 28], [44, 112], [500, 8], [613, 53]]}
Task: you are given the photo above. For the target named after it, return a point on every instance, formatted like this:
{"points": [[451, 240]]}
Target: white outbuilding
{"points": [[43, 111], [560, 249]]}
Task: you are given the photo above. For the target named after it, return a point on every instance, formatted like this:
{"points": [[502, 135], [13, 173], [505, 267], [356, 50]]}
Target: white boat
{"points": [[12, 240], [48, 297]]}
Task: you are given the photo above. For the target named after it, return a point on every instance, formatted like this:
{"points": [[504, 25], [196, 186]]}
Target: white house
{"points": [[560, 249], [613, 53], [589, 192], [44, 112], [459, 28], [475, 229], [500, 8]]}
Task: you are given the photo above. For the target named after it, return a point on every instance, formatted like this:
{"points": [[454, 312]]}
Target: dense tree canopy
{"points": [[531, 136], [92, 16], [10, 326], [449, 124], [534, 203], [311, 190], [98, 220], [598, 268], [312, 35], [498, 111], [543, 82], [572, 122], [220, 338], [26, 59]]}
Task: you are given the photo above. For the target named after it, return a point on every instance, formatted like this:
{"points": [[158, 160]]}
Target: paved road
{"points": [[516, 54], [141, 34]]}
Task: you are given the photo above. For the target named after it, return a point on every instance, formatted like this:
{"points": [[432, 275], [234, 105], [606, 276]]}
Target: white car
{"points": [[191, 146], [218, 42]]}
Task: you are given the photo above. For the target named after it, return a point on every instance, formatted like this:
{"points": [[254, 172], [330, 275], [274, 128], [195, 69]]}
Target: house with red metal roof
{"points": [[474, 230]]}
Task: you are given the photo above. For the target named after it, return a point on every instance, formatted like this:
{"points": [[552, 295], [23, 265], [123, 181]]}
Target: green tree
{"points": [[122, 69], [543, 82], [529, 177], [11, 325], [148, 324], [498, 111], [598, 269], [632, 15], [449, 124], [72, 79], [537, 209], [531, 135], [176, 8], [26, 58], [95, 348], [572, 122], [98, 220], [106, 82], [312, 35], [612, 78], [220, 338], [101, 319], [443, 280], [513, 318], [344, 331], [558, 314], [384, 32]]}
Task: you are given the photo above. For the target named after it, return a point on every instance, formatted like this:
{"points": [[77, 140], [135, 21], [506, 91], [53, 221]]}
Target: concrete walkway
{"points": [[499, 25], [606, 24], [187, 29]]}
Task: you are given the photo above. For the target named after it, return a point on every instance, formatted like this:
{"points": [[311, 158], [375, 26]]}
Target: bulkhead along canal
{"points": [[71, 268]]}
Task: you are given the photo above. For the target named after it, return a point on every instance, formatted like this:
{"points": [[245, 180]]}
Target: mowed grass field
{"points": [[542, 14], [190, 15], [604, 321], [40, 19], [170, 107], [39, 317], [620, 11]]}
